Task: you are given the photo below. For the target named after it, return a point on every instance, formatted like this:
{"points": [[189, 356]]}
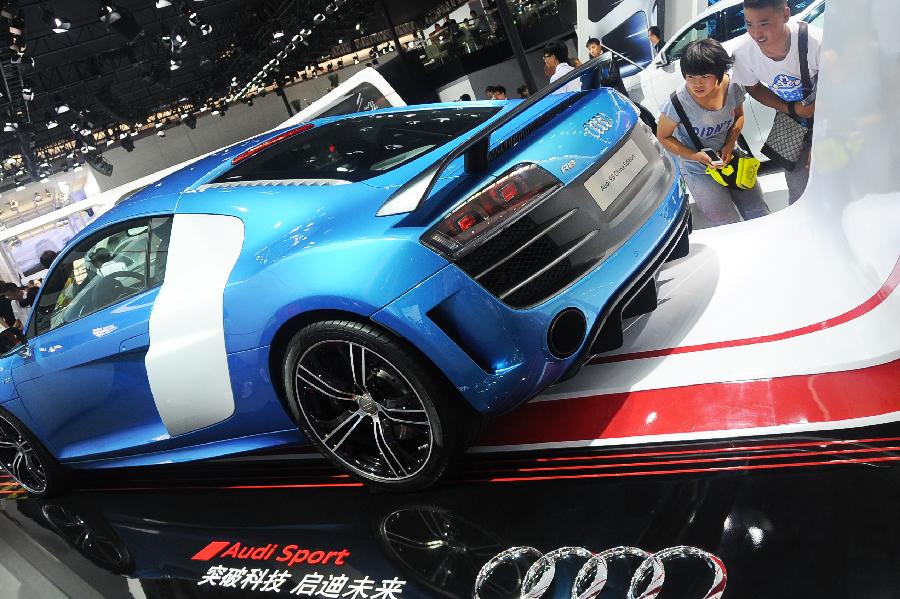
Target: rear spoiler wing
{"points": [[476, 149]]}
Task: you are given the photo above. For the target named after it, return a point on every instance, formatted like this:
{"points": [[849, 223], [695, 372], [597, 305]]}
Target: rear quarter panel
{"points": [[311, 248]]}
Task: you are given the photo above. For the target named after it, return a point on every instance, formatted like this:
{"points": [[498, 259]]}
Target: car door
{"points": [[81, 373]]}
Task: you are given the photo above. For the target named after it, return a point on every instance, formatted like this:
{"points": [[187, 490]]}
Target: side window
{"points": [[103, 269], [735, 25], [701, 30]]}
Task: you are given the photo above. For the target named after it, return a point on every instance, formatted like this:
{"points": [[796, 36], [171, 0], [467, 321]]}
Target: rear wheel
{"points": [[373, 406], [26, 460]]}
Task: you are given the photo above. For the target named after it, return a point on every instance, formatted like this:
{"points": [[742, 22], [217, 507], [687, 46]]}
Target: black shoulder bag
{"points": [[740, 172], [787, 137]]}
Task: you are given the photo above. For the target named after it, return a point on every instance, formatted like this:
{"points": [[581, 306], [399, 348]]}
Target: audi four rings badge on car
{"points": [[598, 125], [590, 580]]}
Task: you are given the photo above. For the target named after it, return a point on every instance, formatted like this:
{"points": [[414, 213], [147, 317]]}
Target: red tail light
{"points": [[475, 220], [271, 142]]}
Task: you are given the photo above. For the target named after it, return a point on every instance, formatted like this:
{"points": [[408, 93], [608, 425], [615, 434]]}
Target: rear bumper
{"points": [[498, 356]]}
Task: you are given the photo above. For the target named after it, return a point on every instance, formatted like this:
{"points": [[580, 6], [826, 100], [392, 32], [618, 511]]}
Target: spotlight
{"points": [[37, 197], [10, 126], [249, 101], [193, 19], [128, 145], [109, 15], [123, 135], [161, 133], [57, 24], [319, 18], [356, 59], [8, 10], [278, 34], [120, 21], [17, 25], [178, 42], [174, 64], [61, 106], [205, 28], [190, 120], [163, 3], [27, 91]]}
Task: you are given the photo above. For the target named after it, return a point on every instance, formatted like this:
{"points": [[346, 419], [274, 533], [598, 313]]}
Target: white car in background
{"points": [[725, 22]]}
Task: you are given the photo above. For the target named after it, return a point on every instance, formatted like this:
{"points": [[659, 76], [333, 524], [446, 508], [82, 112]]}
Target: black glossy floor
{"points": [[815, 517]]}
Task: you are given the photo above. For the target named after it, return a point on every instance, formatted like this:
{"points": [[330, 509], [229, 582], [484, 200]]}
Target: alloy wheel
{"points": [[100, 548], [364, 410], [19, 459]]}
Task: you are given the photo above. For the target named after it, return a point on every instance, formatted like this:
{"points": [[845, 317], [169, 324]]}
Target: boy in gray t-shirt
{"points": [[715, 108]]}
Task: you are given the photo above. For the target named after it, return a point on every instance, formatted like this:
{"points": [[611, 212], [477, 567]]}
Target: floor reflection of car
{"points": [[432, 550], [723, 22]]}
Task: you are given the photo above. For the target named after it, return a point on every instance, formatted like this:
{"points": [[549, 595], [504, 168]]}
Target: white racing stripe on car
{"points": [[186, 362]]}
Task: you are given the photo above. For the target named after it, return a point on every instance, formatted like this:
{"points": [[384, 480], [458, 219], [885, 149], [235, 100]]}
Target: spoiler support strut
{"points": [[475, 148]]}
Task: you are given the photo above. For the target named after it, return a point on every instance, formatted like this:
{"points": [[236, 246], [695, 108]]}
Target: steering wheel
{"points": [[109, 288]]}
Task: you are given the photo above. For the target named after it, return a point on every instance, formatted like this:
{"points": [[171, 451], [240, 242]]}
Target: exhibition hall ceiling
{"points": [[77, 71]]}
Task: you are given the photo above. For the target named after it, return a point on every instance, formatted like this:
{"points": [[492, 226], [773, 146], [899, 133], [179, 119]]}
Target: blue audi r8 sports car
{"points": [[375, 284]]}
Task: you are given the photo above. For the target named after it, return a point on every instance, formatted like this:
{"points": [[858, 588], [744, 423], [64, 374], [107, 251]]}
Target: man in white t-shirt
{"points": [[556, 61], [767, 64]]}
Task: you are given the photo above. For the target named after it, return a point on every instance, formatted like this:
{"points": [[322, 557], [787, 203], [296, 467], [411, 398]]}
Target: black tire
{"points": [[26, 460], [372, 405]]}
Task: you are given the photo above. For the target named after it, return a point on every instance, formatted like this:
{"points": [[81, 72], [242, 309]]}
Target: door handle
{"points": [[136, 342], [24, 351]]}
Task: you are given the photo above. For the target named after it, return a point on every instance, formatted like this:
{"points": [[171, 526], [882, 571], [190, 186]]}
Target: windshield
{"points": [[359, 148]]}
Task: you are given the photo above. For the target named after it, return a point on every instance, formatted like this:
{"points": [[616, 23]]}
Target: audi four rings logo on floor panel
{"points": [[591, 579], [598, 125]]}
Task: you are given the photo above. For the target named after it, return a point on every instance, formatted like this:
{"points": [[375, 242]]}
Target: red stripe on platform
{"points": [[870, 304], [730, 449], [698, 470], [780, 402], [295, 486], [751, 458]]}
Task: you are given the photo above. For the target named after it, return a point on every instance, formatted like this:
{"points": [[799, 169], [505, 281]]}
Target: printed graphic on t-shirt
{"points": [[713, 130], [788, 88]]}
